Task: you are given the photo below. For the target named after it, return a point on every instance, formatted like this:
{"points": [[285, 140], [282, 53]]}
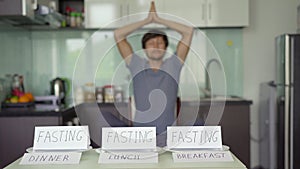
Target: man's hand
{"points": [[186, 32], [152, 16]]}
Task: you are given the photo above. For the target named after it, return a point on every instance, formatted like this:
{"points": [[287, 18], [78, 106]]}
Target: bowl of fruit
{"points": [[17, 98]]}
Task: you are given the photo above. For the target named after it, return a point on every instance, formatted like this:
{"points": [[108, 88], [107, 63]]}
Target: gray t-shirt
{"points": [[155, 92]]}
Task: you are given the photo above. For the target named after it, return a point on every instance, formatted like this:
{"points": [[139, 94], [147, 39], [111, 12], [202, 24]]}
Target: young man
{"points": [[155, 80]]}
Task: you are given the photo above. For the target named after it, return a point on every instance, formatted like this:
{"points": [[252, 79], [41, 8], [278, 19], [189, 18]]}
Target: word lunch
{"points": [[128, 157]]}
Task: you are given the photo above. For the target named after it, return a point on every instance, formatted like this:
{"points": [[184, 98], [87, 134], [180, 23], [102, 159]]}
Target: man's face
{"points": [[155, 48]]}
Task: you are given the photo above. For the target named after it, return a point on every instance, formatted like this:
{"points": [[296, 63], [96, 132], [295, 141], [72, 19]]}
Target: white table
{"points": [[89, 160]]}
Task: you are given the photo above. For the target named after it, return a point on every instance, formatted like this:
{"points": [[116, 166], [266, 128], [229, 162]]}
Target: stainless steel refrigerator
{"points": [[288, 101]]}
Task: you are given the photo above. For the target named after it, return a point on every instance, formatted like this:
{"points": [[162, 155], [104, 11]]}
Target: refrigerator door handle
{"points": [[273, 84]]}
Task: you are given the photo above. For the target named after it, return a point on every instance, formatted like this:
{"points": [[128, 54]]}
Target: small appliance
{"points": [[59, 87]]}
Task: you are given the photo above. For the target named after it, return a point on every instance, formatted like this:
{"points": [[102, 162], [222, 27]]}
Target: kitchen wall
{"points": [[16, 53], [91, 56], [268, 19]]}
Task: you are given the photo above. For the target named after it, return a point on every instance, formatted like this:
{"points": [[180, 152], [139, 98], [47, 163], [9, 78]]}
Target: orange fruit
{"points": [[24, 99], [29, 96]]}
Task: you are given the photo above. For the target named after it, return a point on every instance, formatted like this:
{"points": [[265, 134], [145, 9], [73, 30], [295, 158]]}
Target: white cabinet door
{"points": [[227, 13], [103, 13], [210, 13], [116, 13], [143, 6], [199, 13], [186, 11]]}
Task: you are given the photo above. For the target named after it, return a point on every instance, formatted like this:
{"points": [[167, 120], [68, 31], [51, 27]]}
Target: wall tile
{"points": [[89, 56]]}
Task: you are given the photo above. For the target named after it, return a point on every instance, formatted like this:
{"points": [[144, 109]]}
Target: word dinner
{"points": [[48, 157]]}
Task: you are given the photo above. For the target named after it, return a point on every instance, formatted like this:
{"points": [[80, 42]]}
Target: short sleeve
{"points": [[136, 64], [173, 66], [175, 61]]}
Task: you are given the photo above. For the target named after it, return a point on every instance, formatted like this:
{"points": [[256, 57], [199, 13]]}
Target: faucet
{"points": [[207, 90]]}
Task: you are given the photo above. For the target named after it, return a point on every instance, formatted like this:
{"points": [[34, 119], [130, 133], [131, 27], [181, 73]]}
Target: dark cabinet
{"points": [[235, 126], [17, 129], [236, 131], [16, 132], [16, 135], [234, 122]]}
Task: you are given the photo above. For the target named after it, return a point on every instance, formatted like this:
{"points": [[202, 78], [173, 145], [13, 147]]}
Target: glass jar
{"points": [[79, 95], [89, 92], [109, 93], [118, 94], [99, 95], [73, 19]]}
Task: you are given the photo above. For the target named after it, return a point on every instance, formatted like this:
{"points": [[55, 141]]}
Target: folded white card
{"points": [[192, 137], [61, 138], [128, 138]]}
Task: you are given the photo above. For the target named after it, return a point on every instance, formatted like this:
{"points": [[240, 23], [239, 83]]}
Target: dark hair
{"points": [[153, 34]]}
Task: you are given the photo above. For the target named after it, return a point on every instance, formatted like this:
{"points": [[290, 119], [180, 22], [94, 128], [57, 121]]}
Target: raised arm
{"points": [[185, 31], [122, 33]]}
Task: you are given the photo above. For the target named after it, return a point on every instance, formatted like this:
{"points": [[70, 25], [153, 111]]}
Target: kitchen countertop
{"points": [[32, 111], [90, 160], [215, 101]]}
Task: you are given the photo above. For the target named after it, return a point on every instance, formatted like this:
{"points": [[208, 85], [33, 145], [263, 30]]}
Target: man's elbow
{"points": [[118, 36], [190, 31]]}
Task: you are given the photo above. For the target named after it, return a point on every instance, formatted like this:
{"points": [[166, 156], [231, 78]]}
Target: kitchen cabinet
{"points": [[17, 129], [235, 133], [201, 13], [227, 13], [116, 13], [188, 11], [16, 135], [103, 13], [210, 13]]}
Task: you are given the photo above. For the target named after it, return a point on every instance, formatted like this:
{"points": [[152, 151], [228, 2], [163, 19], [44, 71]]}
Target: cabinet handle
{"points": [[209, 10], [128, 9], [121, 11], [203, 11]]}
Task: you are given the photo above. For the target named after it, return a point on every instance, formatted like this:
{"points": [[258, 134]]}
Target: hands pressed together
{"points": [[152, 16], [186, 32]]}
